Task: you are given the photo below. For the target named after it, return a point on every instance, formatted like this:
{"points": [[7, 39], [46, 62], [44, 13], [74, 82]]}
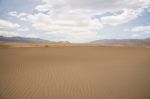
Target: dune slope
{"points": [[75, 73]]}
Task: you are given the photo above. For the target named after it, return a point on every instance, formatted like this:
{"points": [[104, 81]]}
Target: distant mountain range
{"points": [[96, 42], [122, 42], [21, 39]]}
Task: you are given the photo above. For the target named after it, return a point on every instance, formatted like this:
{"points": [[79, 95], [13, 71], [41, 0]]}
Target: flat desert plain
{"points": [[75, 72]]}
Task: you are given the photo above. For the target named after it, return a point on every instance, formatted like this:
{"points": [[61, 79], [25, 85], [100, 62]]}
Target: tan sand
{"points": [[75, 72]]}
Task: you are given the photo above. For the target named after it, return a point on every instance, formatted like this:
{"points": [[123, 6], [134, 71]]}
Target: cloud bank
{"points": [[77, 19]]}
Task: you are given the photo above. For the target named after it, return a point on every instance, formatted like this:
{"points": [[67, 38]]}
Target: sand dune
{"points": [[75, 72], [34, 44]]}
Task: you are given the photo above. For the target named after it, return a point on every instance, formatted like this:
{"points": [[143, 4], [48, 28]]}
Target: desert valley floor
{"points": [[75, 72]]}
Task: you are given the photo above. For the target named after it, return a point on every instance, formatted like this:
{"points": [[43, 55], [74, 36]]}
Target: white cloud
{"points": [[71, 10], [13, 13], [9, 34], [14, 34], [126, 16], [43, 8], [142, 29], [131, 9], [76, 26], [101, 5], [21, 16], [135, 35], [22, 29], [65, 23], [8, 25], [32, 35], [76, 18], [11, 29]]}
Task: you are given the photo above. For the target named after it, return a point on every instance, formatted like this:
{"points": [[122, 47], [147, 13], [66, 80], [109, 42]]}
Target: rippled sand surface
{"points": [[75, 72]]}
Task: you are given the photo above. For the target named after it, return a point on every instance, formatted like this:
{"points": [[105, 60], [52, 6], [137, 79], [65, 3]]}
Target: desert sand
{"points": [[75, 72]]}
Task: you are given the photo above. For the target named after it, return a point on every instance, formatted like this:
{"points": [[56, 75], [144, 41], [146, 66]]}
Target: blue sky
{"points": [[75, 20]]}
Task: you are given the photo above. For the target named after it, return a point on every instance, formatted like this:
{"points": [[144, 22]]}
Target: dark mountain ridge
{"points": [[122, 42], [21, 39]]}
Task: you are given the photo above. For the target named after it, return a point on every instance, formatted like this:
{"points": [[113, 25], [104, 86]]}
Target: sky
{"points": [[75, 20]]}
